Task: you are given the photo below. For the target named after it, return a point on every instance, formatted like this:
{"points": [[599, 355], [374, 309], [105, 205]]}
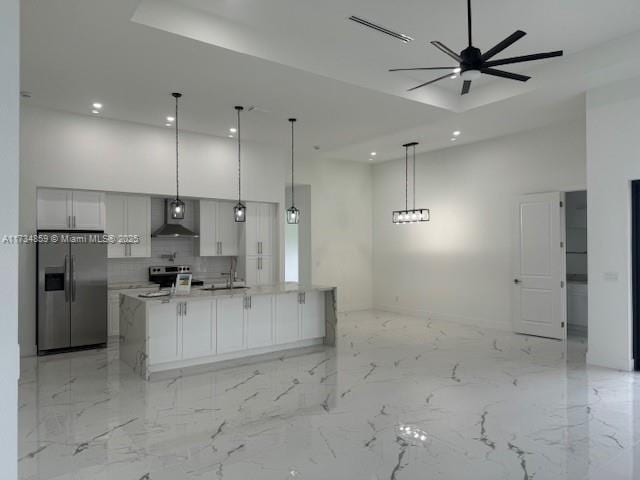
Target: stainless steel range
{"points": [[165, 275]]}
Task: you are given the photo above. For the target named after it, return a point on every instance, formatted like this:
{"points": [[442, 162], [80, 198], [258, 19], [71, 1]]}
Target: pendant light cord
{"points": [[293, 200], [239, 109], [406, 177], [414, 176], [177, 152]]}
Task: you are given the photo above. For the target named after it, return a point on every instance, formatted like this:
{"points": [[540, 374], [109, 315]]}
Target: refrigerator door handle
{"points": [[67, 282], [73, 278]]}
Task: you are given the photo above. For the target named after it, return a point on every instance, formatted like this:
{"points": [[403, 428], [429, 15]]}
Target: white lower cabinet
{"points": [[230, 316], [312, 318], [165, 342], [259, 321], [198, 329], [287, 318]]}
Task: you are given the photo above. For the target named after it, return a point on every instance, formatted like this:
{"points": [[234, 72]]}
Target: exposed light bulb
{"points": [[97, 105], [457, 70]]}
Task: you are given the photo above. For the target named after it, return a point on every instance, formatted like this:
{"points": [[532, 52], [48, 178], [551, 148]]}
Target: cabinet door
{"points": [[116, 206], [198, 334], [54, 209], [251, 271], [208, 240], [230, 322], [88, 210], [251, 228], [164, 335], [139, 223], [312, 317], [287, 318], [265, 271], [227, 229], [259, 321], [266, 228]]}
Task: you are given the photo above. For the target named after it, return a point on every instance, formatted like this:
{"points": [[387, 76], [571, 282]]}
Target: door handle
{"points": [[67, 283], [516, 281], [74, 221], [72, 266], [185, 309]]}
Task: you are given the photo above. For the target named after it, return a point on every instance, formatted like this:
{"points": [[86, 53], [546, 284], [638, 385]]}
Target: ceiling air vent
{"points": [[400, 36]]}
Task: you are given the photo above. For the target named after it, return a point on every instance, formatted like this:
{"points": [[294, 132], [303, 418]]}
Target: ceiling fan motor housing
{"points": [[471, 59]]}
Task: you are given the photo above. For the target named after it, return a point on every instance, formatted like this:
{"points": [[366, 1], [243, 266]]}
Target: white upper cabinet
{"points": [[88, 210], [218, 229], [54, 209], [260, 228], [129, 215], [70, 210]]}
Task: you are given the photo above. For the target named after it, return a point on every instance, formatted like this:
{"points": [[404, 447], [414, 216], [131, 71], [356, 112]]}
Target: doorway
{"points": [[297, 237], [577, 264]]}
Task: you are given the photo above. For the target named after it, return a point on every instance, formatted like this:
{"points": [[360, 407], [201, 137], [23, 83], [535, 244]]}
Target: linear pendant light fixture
{"points": [[240, 210], [293, 214], [414, 215], [177, 205]]}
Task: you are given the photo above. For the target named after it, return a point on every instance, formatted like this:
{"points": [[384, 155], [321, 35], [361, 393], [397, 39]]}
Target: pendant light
{"points": [[293, 214], [414, 215], [240, 210], [177, 205]]}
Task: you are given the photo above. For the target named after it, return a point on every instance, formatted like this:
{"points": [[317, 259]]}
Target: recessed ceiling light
{"points": [[457, 70], [456, 133], [453, 77], [233, 130], [170, 119], [230, 136], [95, 112], [453, 139], [373, 154], [371, 159], [167, 124], [97, 105]]}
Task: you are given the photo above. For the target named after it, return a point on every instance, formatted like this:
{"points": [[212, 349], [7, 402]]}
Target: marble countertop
{"points": [[198, 294]]}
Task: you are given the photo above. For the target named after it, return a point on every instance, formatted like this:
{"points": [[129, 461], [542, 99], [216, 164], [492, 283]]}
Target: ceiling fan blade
{"points": [[466, 86], [503, 74], [507, 42], [421, 68], [429, 82], [443, 48], [524, 58]]}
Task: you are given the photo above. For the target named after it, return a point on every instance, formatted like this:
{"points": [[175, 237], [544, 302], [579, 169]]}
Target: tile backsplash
{"points": [[121, 270]]}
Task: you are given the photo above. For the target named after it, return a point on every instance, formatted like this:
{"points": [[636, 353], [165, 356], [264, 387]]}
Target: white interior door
{"points": [[539, 304]]}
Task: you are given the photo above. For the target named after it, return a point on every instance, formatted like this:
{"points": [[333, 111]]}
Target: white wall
{"points": [[76, 151], [9, 123], [341, 228], [458, 266], [613, 160]]}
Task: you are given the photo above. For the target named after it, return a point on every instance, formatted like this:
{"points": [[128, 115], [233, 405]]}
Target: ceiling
{"points": [[292, 58]]}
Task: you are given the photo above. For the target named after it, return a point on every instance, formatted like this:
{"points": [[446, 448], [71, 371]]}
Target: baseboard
{"points": [[443, 317]]}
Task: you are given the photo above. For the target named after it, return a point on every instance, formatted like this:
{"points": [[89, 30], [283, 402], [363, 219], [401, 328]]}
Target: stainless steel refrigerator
{"points": [[72, 292]]}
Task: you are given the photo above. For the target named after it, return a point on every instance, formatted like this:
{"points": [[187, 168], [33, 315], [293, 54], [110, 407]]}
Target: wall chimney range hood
{"points": [[172, 230]]}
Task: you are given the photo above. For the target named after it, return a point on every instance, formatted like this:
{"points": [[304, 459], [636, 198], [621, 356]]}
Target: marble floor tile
{"points": [[397, 398]]}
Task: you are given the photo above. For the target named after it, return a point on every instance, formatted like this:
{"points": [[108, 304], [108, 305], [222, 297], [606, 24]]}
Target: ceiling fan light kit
{"points": [[413, 215], [472, 63]]}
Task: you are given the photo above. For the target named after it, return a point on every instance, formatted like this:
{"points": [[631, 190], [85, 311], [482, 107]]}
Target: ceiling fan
{"points": [[472, 63]]}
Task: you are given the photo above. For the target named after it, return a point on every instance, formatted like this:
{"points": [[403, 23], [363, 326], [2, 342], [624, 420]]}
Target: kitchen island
{"points": [[207, 327]]}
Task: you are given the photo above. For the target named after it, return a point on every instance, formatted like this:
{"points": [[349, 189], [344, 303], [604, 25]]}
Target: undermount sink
{"points": [[213, 288]]}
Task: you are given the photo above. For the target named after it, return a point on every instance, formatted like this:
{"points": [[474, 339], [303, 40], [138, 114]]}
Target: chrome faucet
{"points": [[232, 271]]}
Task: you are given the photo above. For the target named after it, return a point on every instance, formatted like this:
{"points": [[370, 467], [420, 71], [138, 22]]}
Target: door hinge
{"points": [[561, 284], [561, 244], [561, 204], [562, 324]]}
